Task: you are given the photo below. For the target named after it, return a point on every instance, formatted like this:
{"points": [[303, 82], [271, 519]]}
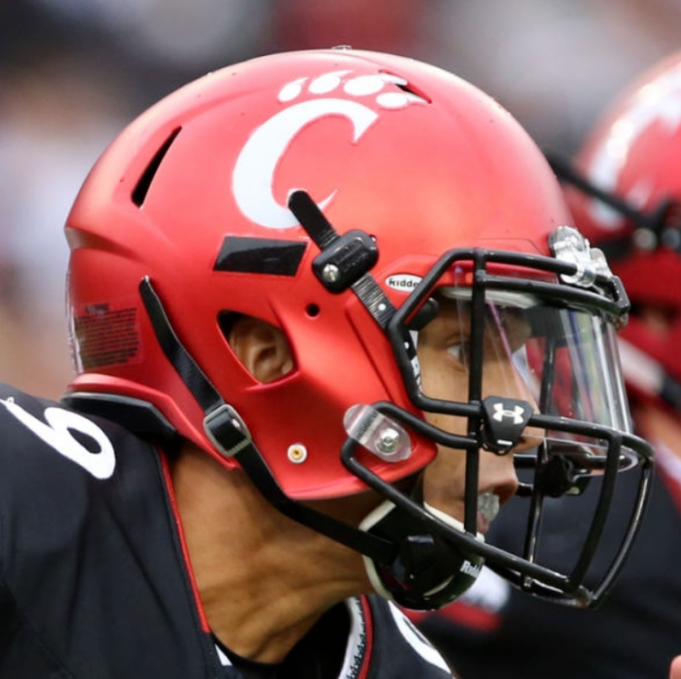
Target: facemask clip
{"points": [[379, 434]]}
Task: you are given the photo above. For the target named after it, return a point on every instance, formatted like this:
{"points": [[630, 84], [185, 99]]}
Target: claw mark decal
{"points": [[257, 163]]}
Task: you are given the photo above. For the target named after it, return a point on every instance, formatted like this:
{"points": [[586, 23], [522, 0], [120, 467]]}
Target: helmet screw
{"points": [[330, 273], [388, 441], [297, 453]]}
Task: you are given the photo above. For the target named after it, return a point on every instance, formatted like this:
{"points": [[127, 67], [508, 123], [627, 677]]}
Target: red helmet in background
{"points": [[334, 194], [628, 203]]}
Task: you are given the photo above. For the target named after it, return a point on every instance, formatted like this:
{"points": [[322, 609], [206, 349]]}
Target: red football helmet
{"points": [[338, 195], [629, 204]]}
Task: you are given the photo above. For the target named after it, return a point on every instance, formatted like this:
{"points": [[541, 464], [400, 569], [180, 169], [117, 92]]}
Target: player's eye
{"points": [[460, 350]]}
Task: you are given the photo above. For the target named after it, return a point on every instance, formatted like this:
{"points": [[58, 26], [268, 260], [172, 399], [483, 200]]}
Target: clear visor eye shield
{"points": [[546, 335]]}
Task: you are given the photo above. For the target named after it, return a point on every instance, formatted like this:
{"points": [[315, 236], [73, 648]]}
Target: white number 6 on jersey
{"points": [[57, 433]]}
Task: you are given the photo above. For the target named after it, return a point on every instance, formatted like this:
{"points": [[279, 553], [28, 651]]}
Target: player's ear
{"points": [[261, 347]]}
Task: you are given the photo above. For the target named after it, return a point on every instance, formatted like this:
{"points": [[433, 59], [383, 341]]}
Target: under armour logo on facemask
{"points": [[504, 420], [500, 412]]}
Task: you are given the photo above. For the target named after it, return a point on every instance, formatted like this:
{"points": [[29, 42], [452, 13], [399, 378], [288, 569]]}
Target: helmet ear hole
{"points": [[261, 347]]}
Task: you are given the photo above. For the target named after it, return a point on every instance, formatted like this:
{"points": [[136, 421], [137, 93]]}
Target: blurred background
{"points": [[74, 72]]}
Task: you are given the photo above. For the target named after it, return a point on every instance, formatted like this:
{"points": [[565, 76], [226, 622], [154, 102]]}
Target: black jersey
{"points": [[498, 631], [94, 582]]}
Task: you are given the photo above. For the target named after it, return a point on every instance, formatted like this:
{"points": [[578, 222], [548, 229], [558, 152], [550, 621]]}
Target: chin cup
{"points": [[426, 572]]}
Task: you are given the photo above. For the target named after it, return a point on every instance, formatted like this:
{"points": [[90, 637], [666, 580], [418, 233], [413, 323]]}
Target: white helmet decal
{"points": [[253, 178]]}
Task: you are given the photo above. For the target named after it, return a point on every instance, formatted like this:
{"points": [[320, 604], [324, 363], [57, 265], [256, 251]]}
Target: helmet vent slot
{"points": [[139, 194]]}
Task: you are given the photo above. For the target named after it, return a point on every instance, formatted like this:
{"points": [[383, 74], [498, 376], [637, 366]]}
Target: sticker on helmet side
{"points": [[105, 334], [404, 282]]}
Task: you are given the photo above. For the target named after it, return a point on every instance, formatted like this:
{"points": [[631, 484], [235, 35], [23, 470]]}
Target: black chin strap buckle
{"points": [[227, 431], [343, 260], [341, 264]]}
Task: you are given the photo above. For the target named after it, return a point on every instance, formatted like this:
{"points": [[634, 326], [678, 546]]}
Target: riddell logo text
{"points": [[469, 569], [405, 282]]}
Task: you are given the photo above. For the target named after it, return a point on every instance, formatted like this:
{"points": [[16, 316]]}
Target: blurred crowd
{"points": [[74, 72]]}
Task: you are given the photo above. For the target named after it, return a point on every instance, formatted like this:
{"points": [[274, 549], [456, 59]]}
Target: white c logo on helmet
{"points": [[253, 178]]}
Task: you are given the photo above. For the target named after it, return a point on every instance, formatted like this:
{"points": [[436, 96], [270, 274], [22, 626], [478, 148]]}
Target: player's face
{"points": [[443, 351]]}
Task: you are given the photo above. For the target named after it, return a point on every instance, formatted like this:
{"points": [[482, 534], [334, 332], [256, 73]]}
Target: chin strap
{"points": [[427, 572], [404, 562]]}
